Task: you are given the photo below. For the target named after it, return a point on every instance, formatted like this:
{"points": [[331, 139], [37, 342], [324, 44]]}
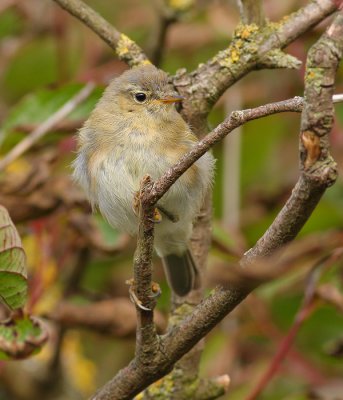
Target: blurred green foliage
{"points": [[47, 66]]}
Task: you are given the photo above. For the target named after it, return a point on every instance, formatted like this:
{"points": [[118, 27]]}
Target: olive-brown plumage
{"points": [[135, 130]]}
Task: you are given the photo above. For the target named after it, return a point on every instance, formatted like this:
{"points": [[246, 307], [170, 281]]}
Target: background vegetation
{"points": [[45, 58]]}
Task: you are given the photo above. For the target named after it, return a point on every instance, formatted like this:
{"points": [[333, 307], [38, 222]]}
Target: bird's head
{"points": [[143, 89]]}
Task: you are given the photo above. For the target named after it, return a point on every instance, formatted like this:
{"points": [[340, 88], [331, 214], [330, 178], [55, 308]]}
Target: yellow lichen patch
{"points": [[234, 55], [162, 387], [245, 31], [127, 50], [273, 25], [123, 46], [311, 143], [310, 75], [231, 55], [238, 44]]}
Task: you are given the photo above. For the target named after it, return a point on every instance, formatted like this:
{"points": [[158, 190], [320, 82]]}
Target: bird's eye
{"points": [[140, 97]]}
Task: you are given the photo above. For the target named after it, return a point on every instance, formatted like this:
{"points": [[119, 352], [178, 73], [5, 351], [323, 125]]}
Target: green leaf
{"points": [[10, 23], [36, 107], [34, 64], [13, 276], [21, 337]]}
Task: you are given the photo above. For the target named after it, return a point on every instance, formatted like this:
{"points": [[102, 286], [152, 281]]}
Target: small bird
{"points": [[133, 131]]}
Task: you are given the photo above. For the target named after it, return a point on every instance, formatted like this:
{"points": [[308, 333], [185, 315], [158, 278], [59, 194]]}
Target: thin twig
{"points": [[291, 257], [114, 316], [303, 313], [236, 118], [313, 182], [251, 12], [165, 19], [46, 126], [126, 49], [184, 336], [337, 98]]}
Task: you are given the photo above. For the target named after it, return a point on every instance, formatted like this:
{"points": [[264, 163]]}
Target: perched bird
{"points": [[136, 130]]}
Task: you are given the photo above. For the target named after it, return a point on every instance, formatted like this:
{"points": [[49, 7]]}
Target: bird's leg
{"points": [[172, 217], [157, 217], [155, 290]]}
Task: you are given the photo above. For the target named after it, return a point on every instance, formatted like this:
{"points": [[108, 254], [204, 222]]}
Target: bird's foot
{"points": [[155, 292], [157, 217], [169, 215]]}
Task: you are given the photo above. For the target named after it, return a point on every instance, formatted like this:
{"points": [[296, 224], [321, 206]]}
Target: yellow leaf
{"points": [[31, 248], [48, 300], [18, 166], [80, 369]]}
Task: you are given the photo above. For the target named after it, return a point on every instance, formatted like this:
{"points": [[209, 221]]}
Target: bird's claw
{"points": [[157, 217], [155, 289], [172, 217]]}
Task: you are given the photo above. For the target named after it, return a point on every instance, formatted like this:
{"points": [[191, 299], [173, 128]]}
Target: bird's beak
{"points": [[171, 99]]}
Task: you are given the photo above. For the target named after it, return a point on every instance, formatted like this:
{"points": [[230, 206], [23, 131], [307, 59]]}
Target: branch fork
{"points": [[156, 355]]}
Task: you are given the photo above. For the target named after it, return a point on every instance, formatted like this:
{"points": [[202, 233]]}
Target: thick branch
{"points": [[126, 49], [132, 379], [183, 336], [153, 358], [248, 51], [251, 12], [115, 317], [318, 169], [318, 172]]}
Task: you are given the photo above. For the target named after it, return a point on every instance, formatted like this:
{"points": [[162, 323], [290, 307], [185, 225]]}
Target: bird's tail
{"points": [[182, 272]]}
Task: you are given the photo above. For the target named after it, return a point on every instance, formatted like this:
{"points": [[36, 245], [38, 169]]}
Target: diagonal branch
{"points": [[318, 169], [126, 49], [317, 173], [303, 313], [249, 49], [156, 357], [236, 119]]}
